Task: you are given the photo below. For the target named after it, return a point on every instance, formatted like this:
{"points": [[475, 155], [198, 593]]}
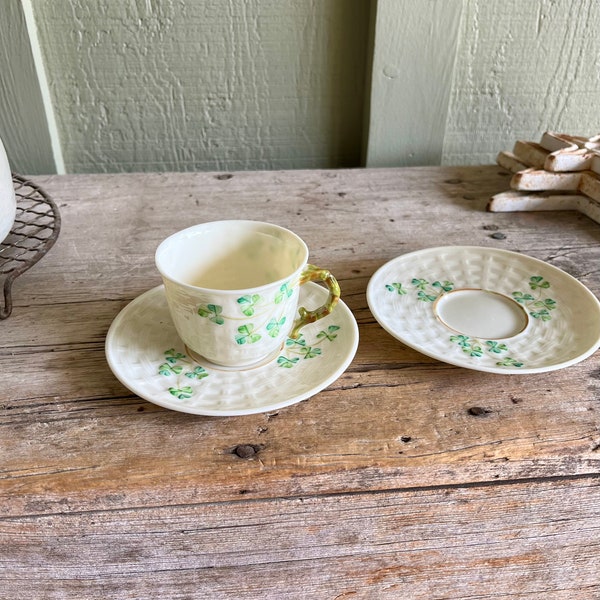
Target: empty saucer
{"points": [[486, 309]]}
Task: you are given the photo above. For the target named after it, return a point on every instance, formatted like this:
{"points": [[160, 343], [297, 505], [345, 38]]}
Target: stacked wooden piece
{"points": [[562, 172]]}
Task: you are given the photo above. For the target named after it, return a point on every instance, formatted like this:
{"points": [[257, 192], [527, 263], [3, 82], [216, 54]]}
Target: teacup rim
{"points": [[244, 290]]}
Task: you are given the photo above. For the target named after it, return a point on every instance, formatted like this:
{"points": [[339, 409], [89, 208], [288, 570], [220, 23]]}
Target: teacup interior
{"points": [[231, 255]]}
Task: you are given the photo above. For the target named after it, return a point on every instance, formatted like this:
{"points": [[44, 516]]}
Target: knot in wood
{"points": [[477, 411], [246, 450]]}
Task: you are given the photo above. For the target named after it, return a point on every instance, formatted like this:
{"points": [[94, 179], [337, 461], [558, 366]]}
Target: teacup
{"points": [[232, 288], [8, 204]]}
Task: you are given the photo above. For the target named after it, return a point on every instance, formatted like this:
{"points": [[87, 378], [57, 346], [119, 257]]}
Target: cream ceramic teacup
{"points": [[8, 204], [233, 286]]}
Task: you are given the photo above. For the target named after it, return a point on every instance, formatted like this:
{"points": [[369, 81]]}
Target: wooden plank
{"points": [[386, 484], [540, 180], [395, 422], [23, 124], [407, 200], [411, 81], [395, 419], [516, 541]]}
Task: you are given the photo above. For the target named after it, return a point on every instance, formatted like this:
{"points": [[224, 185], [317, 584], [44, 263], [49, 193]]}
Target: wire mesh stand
{"points": [[36, 228]]}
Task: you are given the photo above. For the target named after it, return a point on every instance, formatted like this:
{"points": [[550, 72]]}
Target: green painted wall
{"points": [[205, 84], [522, 68], [155, 85], [23, 122], [457, 81]]}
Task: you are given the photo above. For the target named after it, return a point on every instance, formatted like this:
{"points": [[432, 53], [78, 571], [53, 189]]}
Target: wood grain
{"points": [[523, 540], [385, 484]]}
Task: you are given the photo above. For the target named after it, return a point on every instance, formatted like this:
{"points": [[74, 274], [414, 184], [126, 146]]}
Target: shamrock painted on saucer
{"points": [[486, 309]]}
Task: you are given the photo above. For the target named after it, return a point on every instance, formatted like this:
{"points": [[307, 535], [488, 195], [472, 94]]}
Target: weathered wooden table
{"points": [[384, 485]]}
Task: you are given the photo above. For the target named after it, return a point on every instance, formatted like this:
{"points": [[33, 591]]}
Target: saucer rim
{"points": [[113, 364], [372, 294]]}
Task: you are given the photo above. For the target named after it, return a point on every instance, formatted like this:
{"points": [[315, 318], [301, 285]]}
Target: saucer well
{"points": [[486, 309], [145, 353]]}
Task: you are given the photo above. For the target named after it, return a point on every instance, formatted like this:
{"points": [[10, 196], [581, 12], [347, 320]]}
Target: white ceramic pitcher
{"points": [[8, 203]]}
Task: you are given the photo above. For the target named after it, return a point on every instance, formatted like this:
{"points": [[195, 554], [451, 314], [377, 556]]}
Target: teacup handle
{"points": [[312, 273]]}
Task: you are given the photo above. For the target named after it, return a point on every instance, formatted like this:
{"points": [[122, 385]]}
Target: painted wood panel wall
{"points": [[23, 123], [411, 81], [212, 84], [268, 84], [457, 89], [522, 68]]}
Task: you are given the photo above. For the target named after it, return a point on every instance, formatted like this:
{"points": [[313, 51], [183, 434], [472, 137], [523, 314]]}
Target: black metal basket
{"points": [[36, 228]]}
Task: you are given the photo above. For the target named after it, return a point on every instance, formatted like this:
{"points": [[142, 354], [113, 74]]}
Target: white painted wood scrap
{"points": [[571, 153], [557, 152], [522, 202], [534, 180], [510, 162], [559, 163]]}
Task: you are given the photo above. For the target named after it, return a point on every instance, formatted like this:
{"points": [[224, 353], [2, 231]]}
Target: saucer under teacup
{"points": [[145, 353], [486, 309], [201, 360]]}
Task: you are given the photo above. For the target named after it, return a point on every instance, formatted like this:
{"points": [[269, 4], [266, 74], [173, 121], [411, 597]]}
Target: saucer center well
{"points": [[481, 313]]}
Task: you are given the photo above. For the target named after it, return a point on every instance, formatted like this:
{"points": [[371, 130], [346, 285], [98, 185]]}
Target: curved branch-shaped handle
{"points": [[312, 273]]}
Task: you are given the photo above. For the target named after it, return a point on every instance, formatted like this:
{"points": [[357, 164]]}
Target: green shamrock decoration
{"points": [[284, 292], [246, 335], [287, 363], [212, 312], [539, 308], [197, 373], [300, 347], [172, 356], [395, 287], [310, 352], [299, 341], [274, 327], [329, 334], [509, 362], [467, 345], [536, 282], [425, 295], [170, 367], [182, 393], [248, 303], [167, 369], [496, 347], [475, 349]]}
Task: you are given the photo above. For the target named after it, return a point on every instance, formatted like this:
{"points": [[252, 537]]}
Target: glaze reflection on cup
{"points": [[233, 286]]}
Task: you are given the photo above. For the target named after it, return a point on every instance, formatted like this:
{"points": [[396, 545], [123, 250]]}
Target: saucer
{"points": [[146, 355], [486, 309]]}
